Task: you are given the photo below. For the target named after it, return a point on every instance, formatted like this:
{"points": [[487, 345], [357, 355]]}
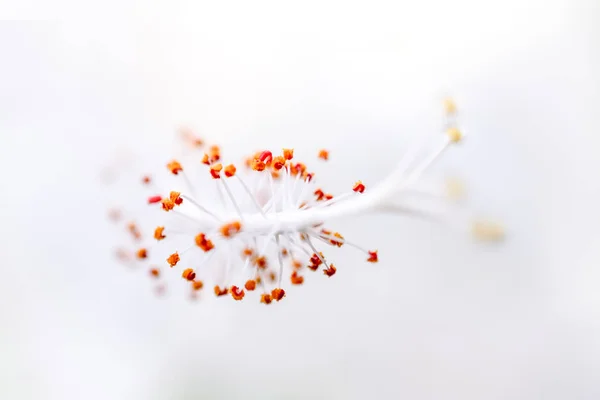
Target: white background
{"points": [[438, 318]]}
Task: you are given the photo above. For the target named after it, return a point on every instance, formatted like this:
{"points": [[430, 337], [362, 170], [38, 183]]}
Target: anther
{"points": [[250, 285], [237, 293], [330, 271], [373, 258], [204, 243], [220, 292], [188, 274], [277, 294], [296, 279], [288, 154], [158, 233], [175, 167], [215, 171], [358, 187], [142, 253], [173, 259], [230, 170]]}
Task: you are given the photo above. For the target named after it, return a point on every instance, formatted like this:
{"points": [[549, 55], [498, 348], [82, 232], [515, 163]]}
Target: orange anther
{"points": [[215, 153], [175, 167], [204, 243], [221, 292], [296, 264], [142, 253], [324, 154], [275, 174], [272, 276], [250, 285], [330, 271], [278, 162], [146, 179], [261, 262], [231, 229], [205, 159], [296, 279], [373, 256], [277, 294], [237, 293], [188, 274], [230, 170], [284, 252], [265, 298], [133, 229], [308, 176], [158, 233], [258, 165], [358, 187], [167, 204], [173, 259], [288, 154], [215, 171], [197, 285], [155, 272]]}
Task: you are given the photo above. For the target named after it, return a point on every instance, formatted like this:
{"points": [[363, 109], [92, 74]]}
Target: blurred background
{"points": [[440, 317]]}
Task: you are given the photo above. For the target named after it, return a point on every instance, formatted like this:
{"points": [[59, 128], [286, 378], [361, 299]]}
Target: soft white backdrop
{"points": [[438, 318]]}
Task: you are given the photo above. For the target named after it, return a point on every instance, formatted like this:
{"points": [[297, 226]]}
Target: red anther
{"points": [[237, 293], [296, 279], [330, 271], [265, 298], [358, 187], [175, 198], [308, 176], [320, 194], [266, 157], [215, 171], [220, 292], [328, 196], [373, 256], [337, 242], [154, 199], [188, 274], [278, 162], [277, 294]]}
